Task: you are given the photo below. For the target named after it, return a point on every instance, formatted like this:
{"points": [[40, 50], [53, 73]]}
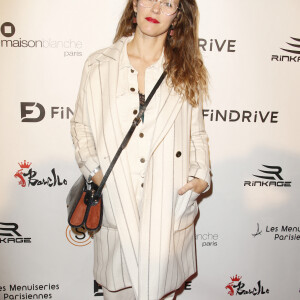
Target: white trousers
{"points": [[126, 294]]}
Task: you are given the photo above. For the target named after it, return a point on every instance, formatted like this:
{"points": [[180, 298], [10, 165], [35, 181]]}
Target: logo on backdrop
{"points": [[237, 287], [8, 30], [279, 233], [215, 45], [241, 116], [78, 236], [28, 177], [10, 234], [271, 176], [35, 112], [97, 289], [35, 290], [208, 239], [293, 46]]}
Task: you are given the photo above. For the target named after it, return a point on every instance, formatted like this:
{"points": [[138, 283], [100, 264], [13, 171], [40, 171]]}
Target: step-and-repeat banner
{"points": [[248, 229]]}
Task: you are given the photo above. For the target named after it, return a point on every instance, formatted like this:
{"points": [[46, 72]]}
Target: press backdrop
{"points": [[248, 231]]}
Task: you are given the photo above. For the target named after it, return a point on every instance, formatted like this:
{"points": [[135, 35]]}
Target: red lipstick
{"points": [[152, 20]]}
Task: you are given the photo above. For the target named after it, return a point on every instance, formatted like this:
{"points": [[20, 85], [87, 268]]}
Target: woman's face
{"points": [[151, 21]]}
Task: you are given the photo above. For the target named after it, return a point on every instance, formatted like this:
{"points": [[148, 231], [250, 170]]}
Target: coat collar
{"points": [[114, 51]]}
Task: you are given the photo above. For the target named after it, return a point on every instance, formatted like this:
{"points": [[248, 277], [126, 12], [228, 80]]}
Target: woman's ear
{"points": [[134, 3]]}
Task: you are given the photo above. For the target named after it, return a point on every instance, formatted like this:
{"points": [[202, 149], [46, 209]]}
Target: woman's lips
{"points": [[152, 20]]}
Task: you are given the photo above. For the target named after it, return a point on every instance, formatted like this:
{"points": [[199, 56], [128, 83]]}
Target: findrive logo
{"points": [[271, 176], [33, 112], [78, 236], [241, 116], [292, 47], [25, 172], [215, 45], [9, 233], [8, 30], [237, 287]]}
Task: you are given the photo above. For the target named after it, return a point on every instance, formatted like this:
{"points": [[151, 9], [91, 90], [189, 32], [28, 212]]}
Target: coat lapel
{"points": [[120, 181], [169, 107]]}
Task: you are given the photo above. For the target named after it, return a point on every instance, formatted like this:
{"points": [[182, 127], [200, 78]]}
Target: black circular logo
{"points": [[8, 29]]}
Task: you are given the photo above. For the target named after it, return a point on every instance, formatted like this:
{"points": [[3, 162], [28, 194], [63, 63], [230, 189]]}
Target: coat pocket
{"points": [[108, 219], [185, 210]]}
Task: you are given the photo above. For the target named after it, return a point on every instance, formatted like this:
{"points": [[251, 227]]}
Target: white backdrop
{"points": [[248, 229]]}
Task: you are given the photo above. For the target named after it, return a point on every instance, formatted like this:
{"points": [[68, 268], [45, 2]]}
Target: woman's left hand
{"points": [[197, 185]]}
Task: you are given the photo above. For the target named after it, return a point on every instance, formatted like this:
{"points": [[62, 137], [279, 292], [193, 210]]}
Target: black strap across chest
{"points": [[124, 143]]}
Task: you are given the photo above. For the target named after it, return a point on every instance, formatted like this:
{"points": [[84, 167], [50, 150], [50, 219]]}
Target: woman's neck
{"points": [[145, 48]]}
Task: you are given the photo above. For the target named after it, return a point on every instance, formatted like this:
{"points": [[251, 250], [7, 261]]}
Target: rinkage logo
{"points": [[271, 176], [8, 30], [35, 112], [9, 233], [237, 287], [30, 174], [293, 47]]}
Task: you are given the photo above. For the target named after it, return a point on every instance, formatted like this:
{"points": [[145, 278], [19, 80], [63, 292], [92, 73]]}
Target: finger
{"points": [[185, 188]]}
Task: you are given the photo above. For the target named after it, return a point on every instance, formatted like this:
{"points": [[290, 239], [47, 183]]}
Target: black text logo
{"points": [[9, 233], [237, 287], [279, 233], [244, 116], [78, 236], [217, 45], [272, 177], [31, 175], [97, 289], [188, 285], [208, 239], [293, 47], [258, 231], [8, 29], [36, 112], [28, 108]]}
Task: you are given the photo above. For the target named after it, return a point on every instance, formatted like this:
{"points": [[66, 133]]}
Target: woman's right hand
{"points": [[97, 178]]}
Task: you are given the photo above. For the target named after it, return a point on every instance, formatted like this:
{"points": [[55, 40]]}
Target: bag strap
{"points": [[124, 143]]}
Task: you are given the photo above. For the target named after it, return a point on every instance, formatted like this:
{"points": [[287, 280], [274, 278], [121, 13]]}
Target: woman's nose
{"points": [[156, 7]]}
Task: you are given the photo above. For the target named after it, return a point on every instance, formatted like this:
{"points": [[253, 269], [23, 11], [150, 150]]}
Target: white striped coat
{"points": [[153, 252]]}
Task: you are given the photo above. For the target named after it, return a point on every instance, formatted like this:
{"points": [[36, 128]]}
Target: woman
{"points": [[145, 248]]}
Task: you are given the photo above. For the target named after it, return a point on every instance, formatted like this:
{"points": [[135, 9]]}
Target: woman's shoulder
{"points": [[107, 53]]}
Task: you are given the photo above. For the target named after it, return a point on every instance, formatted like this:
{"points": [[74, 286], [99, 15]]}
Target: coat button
{"points": [[132, 71], [135, 112], [132, 89], [178, 154], [142, 185], [142, 160], [141, 135]]}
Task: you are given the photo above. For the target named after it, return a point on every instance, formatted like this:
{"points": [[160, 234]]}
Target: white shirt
{"points": [[127, 98]]}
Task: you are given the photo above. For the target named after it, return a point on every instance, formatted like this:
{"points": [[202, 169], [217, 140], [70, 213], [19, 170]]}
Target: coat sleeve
{"points": [[199, 151], [83, 140]]}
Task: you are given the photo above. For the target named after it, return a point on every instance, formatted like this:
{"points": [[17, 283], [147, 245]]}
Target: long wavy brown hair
{"points": [[183, 60]]}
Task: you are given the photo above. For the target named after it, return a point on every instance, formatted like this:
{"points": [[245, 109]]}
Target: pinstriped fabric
{"points": [[155, 251]]}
